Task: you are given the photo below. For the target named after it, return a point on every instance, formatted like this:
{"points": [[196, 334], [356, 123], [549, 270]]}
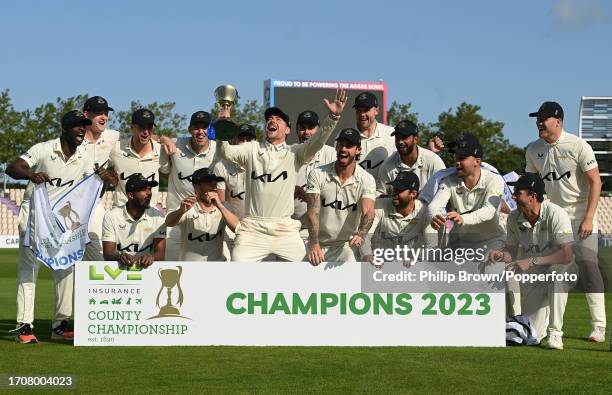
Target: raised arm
{"points": [[307, 150]]}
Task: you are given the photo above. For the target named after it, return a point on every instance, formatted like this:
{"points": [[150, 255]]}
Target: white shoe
{"points": [[598, 334], [555, 342]]}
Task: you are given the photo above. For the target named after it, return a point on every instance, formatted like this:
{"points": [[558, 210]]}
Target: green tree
{"points": [[498, 151], [167, 122], [12, 141], [400, 112], [251, 112]]}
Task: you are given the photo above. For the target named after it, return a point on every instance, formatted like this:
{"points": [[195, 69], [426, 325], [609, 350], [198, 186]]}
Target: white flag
{"points": [[59, 233]]}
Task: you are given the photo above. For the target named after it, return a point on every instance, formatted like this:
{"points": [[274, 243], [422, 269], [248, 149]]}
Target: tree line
{"points": [[19, 130]]}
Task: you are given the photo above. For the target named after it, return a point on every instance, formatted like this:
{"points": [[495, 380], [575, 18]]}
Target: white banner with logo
{"points": [[9, 241], [59, 235], [270, 303]]}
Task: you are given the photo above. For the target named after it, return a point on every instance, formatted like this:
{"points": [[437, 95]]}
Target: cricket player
{"points": [[192, 153], [232, 189], [97, 146], [400, 219], [135, 233], [409, 156], [139, 154], [473, 195], [377, 144], [340, 198], [271, 169], [307, 125], [570, 172], [61, 165], [540, 233], [201, 220]]}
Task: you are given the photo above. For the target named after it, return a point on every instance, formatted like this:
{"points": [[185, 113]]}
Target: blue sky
{"points": [[507, 57]]}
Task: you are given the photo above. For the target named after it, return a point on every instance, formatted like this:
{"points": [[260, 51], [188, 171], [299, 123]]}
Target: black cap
{"points": [[531, 182], [548, 109], [143, 117], [405, 180], [204, 175], [245, 128], [200, 117], [406, 128], [137, 182], [96, 103], [278, 112], [74, 118], [308, 118], [365, 100], [351, 135], [466, 145]]}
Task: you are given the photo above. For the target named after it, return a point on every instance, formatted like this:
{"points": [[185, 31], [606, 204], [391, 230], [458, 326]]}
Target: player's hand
{"points": [[586, 228], [498, 256], [214, 198], [356, 241], [504, 207], [146, 260], [455, 217], [224, 112], [437, 222], [108, 176], [435, 144], [127, 260], [315, 254], [522, 264], [169, 145], [39, 178], [187, 203], [337, 105], [299, 193]]}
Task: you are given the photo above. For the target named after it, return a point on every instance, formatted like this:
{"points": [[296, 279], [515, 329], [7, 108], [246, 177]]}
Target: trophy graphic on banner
{"points": [[71, 217], [224, 129], [170, 278]]}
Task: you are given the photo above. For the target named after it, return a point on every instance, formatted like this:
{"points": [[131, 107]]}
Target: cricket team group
{"points": [[377, 187]]}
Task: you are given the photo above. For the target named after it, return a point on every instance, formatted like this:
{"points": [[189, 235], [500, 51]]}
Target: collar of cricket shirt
{"points": [[128, 218]]}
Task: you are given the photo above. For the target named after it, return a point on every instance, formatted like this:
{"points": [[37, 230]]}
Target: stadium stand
{"points": [[9, 211]]}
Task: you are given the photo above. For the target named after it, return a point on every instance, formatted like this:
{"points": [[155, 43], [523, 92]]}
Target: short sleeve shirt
{"points": [[202, 235], [426, 165], [340, 203], [134, 237], [182, 165], [99, 151], [234, 185], [552, 229], [325, 155], [376, 148], [127, 162], [562, 165], [65, 173], [392, 228]]}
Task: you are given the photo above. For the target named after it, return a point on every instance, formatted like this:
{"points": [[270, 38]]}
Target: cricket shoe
{"points": [[555, 342], [23, 334], [598, 335], [62, 332]]}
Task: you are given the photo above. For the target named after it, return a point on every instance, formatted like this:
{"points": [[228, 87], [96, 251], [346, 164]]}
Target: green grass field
{"points": [[581, 367]]}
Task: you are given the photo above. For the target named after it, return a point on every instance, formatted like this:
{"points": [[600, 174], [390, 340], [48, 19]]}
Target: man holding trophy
{"points": [[271, 169]]}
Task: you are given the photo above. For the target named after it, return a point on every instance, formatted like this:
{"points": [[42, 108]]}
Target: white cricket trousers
{"points": [[544, 302], [27, 274], [258, 237]]}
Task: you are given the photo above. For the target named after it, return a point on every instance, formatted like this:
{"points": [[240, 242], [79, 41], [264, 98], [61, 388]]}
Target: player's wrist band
{"points": [[334, 117]]}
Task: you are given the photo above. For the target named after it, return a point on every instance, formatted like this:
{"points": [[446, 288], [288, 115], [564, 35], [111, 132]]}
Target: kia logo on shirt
{"points": [[125, 176], [552, 176], [337, 204], [367, 164], [135, 247], [203, 237], [267, 177], [57, 182]]}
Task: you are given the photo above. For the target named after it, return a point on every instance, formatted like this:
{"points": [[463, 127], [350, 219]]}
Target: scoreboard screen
{"points": [[295, 96]]}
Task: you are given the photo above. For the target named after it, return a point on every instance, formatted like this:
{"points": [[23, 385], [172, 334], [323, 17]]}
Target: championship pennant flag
{"points": [[59, 233]]}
